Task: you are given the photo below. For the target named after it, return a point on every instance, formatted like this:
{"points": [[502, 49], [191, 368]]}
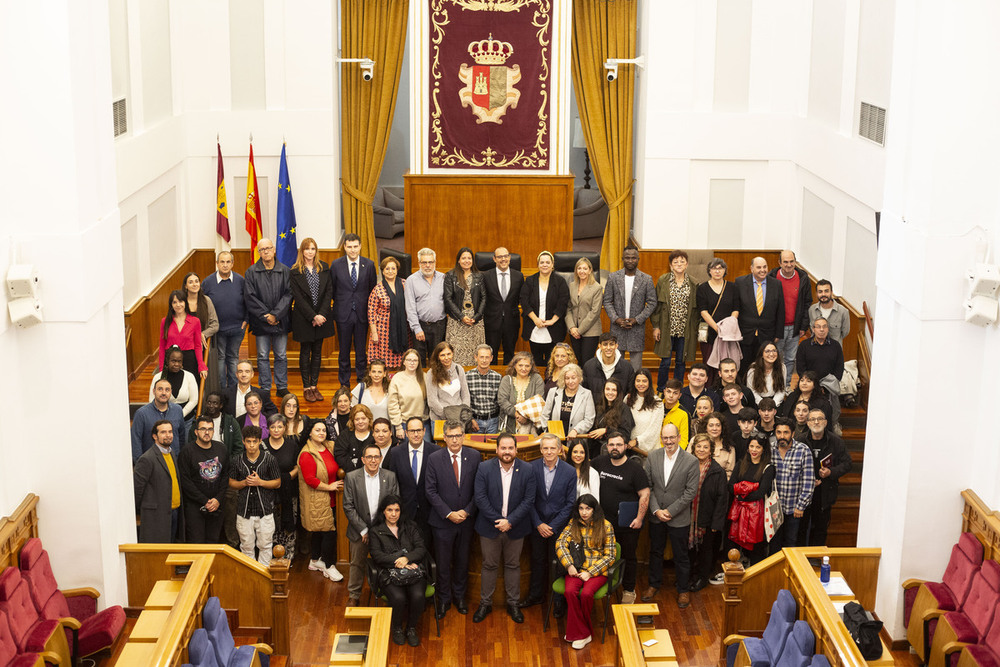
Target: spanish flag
{"points": [[253, 208], [221, 214]]}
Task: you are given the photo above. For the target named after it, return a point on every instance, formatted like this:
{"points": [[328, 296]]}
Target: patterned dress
{"points": [[378, 321], [463, 337]]}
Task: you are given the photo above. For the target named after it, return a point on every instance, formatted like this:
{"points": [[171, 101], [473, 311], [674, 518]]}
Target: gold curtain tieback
{"points": [[357, 194], [621, 199]]}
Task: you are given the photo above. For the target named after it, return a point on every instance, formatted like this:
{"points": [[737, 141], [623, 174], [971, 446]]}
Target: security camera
{"points": [[367, 70], [611, 65], [612, 70]]}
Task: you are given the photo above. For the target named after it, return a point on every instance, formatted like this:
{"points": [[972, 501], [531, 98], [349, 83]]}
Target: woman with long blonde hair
{"points": [[312, 323]]}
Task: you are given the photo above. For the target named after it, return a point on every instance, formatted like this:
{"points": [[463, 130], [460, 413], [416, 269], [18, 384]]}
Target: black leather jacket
{"points": [[454, 296]]}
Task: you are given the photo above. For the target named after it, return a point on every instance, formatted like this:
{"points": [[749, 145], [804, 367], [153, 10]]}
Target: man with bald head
{"points": [[762, 311], [503, 294], [267, 293], [797, 295]]}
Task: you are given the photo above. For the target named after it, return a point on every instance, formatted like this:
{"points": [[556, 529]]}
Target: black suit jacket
{"points": [[230, 408], [503, 313], [770, 324], [443, 494], [412, 491], [556, 302], [346, 297], [303, 310]]}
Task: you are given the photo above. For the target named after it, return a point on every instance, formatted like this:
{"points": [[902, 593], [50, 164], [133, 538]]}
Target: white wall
{"points": [[273, 79], [64, 402], [763, 95]]}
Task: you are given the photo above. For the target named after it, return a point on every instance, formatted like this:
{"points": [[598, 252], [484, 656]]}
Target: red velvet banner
{"points": [[489, 84]]}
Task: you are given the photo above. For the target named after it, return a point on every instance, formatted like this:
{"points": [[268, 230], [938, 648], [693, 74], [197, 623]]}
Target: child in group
{"points": [[256, 476]]}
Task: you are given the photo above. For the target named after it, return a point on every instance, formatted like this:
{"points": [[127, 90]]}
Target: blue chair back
{"points": [[799, 648], [819, 660], [779, 625], [214, 620], [200, 651]]}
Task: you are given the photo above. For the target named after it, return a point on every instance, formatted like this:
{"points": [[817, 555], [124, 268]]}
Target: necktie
{"points": [[454, 464], [413, 463], [354, 274], [760, 297], [503, 285]]}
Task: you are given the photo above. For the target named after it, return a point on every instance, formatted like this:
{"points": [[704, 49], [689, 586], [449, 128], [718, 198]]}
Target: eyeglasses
{"points": [[414, 430], [372, 457], [501, 256]]}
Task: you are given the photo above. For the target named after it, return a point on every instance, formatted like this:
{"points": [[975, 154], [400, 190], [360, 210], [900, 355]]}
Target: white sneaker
{"points": [[718, 579], [333, 574], [580, 643], [628, 597], [317, 565]]}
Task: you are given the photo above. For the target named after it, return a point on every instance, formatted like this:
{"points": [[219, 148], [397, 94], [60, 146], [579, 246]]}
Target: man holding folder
{"points": [[624, 499]]}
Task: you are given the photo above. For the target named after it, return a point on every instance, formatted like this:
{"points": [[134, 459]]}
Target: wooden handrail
{"points": [[629, 647], [184, 614], [378, 632], [869, 319]]}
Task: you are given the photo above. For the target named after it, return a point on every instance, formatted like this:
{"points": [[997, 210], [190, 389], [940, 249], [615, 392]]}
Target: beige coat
{"points": [[314, 505], [584, 310]]}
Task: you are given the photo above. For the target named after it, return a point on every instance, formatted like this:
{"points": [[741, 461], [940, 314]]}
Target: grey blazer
{"points": [[675, 494], [507, 398], [356, 499], [581, 419], [584, 310], [642, 305]]}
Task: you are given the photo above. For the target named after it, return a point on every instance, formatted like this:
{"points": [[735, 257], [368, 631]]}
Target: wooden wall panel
{"points": [[527, 214]]}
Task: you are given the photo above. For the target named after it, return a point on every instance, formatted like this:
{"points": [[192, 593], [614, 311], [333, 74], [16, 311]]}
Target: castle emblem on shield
{"points": [[489, 84]]}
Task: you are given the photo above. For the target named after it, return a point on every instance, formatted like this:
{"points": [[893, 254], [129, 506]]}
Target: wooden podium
{"points": [[525, 214]]}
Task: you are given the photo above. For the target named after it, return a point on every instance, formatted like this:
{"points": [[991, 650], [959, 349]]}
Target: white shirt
{"points": [[541, 335], [668, 464], [506, 477], [217, 424], [241, 396], [500, 275], [455, 458], [219, 278], [629, 284], [385, 450], [353, 266], [372, 488]]}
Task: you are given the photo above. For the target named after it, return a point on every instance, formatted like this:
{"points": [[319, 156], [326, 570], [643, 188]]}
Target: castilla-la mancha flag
{"points": [[253, 208]]}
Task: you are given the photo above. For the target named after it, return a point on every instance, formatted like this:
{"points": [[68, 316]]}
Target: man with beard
{"points": [[157, 489], [794, 480], [505, 492], [837, 317], [728, 370], [623, 486], [227, 431], [424, 296], [831, 463], [157, 410], [203, 468]]}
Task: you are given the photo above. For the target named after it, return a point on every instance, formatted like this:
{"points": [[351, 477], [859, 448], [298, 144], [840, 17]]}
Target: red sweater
{"points": [[307, 468], [188, 339], [790, 291]]}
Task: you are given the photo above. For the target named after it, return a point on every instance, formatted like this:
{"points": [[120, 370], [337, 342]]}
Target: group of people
{"points": [[703, 461]]}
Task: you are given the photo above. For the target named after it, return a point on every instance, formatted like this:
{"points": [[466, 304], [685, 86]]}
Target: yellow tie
{"points": [[759, 287], [175, 489]]}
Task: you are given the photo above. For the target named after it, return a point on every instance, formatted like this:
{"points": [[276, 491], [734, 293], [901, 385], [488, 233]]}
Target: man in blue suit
{"points": [[451, 479], [353, 278], [409, 462], [505, 494], [555, 493]]}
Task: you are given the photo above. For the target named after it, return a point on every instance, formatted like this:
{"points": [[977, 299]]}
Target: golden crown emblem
{"points": [[490, 51]]}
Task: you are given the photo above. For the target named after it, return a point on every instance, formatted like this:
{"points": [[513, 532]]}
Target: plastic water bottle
{"points": [[824, 571]]}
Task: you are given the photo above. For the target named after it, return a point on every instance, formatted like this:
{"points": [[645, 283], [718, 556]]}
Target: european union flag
{"points": [[287, 248]]}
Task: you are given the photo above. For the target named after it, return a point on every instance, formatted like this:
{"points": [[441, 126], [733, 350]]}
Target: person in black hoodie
{"points": [[831, 463], [395, 542], [708, 509]]}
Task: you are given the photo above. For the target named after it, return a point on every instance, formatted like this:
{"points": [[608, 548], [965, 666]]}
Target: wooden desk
{"points": [[630, 653], [137, 654], [164, 594], [485, 444], [149, 626], [378, 632], [660, 653]]}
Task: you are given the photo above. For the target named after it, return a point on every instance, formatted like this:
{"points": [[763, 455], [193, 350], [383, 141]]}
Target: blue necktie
{"points": [[354, 274], [413, 464]]}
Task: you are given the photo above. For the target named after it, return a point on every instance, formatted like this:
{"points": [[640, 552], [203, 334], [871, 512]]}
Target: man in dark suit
{"points": [[364, 490], [673, 479], [762, 311], [409, 462], [505, 494], [555, 493], [451, 477], [157, 488], [353, 278], [503, 294], [236, 393]]}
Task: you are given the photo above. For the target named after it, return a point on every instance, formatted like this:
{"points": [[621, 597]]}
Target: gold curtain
{"points": [[601, 30], [373, 29]]}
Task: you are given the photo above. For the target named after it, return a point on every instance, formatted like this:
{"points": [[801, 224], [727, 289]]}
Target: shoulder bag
{"points": [[703, 325]]}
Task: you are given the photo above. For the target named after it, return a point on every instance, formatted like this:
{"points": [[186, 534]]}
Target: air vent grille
{"points": [[872, 123], [119, 111]]}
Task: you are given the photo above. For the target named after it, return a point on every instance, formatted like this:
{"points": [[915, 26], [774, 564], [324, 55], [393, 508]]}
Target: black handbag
{"points": [[864, 630], [404, 576], [577, 555]]}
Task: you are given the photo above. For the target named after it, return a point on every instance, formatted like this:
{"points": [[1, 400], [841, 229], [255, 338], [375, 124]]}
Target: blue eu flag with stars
{"points": [[287, 248]]}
